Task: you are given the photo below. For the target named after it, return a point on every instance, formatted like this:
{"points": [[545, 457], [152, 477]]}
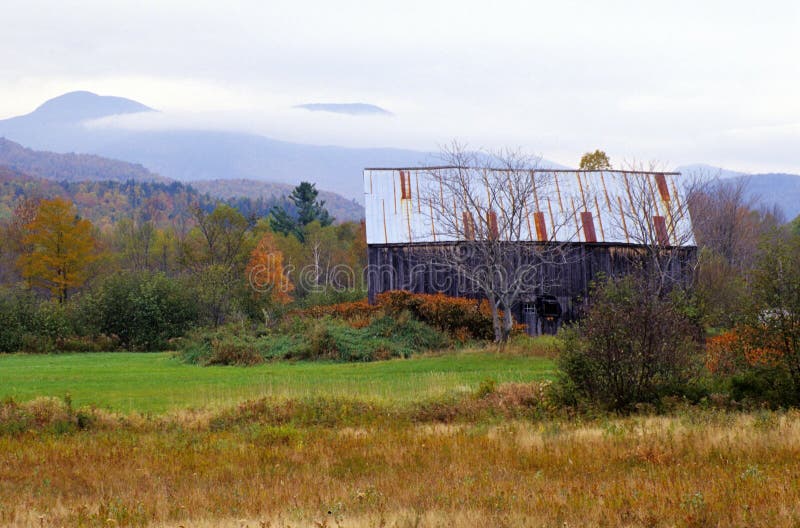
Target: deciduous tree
{"points": [[266, 272], [61, 248], [597, 160]]}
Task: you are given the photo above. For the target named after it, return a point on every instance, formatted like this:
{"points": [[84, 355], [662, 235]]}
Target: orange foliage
{"points": [[266, 272], [742, 346], [456, 315], [462, 318], [357, 314]]}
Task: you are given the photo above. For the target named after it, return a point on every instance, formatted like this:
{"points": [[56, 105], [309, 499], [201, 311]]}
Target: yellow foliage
{"points": [[61, 248]]}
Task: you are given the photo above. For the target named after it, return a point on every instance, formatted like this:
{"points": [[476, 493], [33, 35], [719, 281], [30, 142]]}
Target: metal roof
{"points": [[570, 206]]}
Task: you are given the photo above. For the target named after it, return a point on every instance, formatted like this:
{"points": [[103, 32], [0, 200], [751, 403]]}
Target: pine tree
{"points": [[308, 209]]}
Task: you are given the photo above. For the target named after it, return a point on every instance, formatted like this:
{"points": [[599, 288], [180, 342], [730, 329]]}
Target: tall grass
{"points": [[698, 469]]}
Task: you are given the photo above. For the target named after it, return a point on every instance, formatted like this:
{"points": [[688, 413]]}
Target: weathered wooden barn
{"points": [[601, 221]]}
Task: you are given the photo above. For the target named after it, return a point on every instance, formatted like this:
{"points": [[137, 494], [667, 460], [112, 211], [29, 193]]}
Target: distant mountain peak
{"points": [[82, 105], [356, 109]]}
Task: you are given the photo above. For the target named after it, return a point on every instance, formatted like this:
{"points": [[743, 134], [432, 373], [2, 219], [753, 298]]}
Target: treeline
{"points": [[105, 203], [139, 282]]}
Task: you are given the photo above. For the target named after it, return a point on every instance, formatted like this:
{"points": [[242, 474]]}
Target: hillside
{"points": [[70, 167], [37, 173], [107, 202], [767, 189], [341, 208]]}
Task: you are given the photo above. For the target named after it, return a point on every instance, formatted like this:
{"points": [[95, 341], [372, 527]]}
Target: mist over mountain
{"points": [[355, 109], [63, 125], [68, 124]]}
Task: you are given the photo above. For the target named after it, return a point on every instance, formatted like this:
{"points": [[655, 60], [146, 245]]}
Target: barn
{"points": [[606, 222]]}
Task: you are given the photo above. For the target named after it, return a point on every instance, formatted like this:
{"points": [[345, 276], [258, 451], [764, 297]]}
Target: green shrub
{"points": [[234, 351], [143, 310], [768, 384], [12, 327], [33, 325]]}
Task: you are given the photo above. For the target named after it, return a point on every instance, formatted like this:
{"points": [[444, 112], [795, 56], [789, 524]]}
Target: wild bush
{"points": [[634, 345], [760, 358], [355, 313], [143, 310], [13, 329], [748, 363], [455, 315]]}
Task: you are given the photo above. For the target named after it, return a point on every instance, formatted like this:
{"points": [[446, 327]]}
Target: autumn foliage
{"points": [[61, 248], [357, 313], [266, 272], [461, 318], [741, 348], [457, 316]]}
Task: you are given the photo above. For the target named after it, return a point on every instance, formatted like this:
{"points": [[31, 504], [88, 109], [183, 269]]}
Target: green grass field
{"points": [[158, 382]]}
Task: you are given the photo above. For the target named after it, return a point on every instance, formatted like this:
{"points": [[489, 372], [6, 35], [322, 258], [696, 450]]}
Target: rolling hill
{"points": [[70, 167], [80, 177], [766, 189]]}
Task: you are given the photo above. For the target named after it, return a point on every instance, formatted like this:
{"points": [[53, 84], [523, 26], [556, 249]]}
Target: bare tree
{"points": [[656, 220], [489, 211], [729, 229]]}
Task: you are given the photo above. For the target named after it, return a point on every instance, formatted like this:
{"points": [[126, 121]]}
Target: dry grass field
{"points": [[261, 465]]}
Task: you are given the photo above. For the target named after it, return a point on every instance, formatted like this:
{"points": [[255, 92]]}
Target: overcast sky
{"points": [[678, 81]]}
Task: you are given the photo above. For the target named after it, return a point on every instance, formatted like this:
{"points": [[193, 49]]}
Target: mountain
{"points": [[778, 189], [355, 109], [63, 125], [70, 167], [702, 169], [80, 106], [767, 189], [60, 125], [338, 206]]}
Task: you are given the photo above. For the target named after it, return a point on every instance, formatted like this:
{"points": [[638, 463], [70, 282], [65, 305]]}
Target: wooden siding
{"points": [[411, 267]]}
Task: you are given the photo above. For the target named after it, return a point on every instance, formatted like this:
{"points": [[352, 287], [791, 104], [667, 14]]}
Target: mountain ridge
{"points": [[191, 155]]}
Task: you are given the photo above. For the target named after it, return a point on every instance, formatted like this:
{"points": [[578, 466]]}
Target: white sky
{"points": [[678, 81]]}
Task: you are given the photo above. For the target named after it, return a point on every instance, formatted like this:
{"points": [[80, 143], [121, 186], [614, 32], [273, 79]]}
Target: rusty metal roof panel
{"points": [[571, 206]]}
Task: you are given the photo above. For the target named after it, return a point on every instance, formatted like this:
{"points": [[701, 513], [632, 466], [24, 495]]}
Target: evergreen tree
{"points": [[307, 209]]}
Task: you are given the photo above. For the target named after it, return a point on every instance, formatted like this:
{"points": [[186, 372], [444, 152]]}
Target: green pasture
{"points": [[158, 382]]}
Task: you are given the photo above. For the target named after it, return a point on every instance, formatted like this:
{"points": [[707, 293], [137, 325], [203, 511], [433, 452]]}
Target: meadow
{"points": [[160, 382], [692, 470], [147, 440]]}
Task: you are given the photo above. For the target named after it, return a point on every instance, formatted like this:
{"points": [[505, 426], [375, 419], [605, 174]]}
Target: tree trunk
{"points": [[498, 331]]}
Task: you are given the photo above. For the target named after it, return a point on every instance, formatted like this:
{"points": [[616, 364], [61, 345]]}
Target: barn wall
{"points": [[412, 268]]}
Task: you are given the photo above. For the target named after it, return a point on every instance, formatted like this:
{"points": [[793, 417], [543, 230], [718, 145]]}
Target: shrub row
{"points": [[330, 339], [461, 318]]}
